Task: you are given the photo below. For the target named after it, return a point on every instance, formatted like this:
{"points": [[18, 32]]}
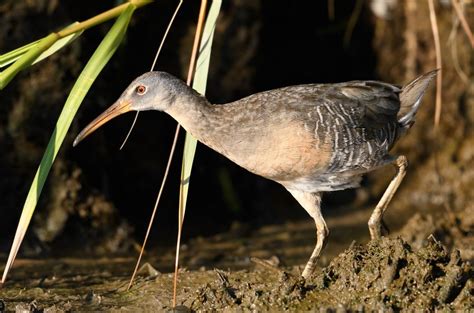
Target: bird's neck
{"points": [[198, 117]]}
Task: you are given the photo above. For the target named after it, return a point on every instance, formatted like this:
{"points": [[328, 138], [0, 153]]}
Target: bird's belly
{"points": [[325, 182], [285, 153], [328, 180], [279, 166]]}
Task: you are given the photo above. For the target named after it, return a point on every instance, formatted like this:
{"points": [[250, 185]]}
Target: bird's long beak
{"points": [[114, 110]]}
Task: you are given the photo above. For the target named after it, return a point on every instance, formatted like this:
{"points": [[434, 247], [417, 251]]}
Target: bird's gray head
{"points": [[153, 91], [150, 91]]}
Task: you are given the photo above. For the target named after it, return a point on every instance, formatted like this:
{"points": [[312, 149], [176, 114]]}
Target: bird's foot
{"points": [[377, 230]]}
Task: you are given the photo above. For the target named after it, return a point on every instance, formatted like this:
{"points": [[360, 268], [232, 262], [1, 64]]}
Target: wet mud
{"points": [[244, 270]]}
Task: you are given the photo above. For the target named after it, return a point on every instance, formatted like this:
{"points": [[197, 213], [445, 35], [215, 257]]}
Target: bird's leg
{"points": [[375, 221], [311, 202]]}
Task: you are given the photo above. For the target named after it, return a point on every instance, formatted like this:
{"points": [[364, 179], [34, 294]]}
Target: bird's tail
{"points": [[410, 98]]}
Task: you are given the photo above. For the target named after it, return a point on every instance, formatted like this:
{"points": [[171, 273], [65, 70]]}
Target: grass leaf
{"points": [[12, 56], [61, 43], [27, 54], [199, 84], [88, 75], [27, 58]]}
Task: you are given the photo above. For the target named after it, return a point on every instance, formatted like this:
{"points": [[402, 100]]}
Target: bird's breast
{"points": [[282, 152]]}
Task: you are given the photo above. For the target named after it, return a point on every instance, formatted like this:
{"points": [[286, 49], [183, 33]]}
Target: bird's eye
{"points": [[140, 89]]}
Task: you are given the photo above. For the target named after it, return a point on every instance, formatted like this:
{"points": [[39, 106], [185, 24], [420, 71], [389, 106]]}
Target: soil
{"points": [[258, 270]]}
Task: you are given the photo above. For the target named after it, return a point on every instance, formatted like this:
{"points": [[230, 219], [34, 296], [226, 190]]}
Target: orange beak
{"points": [[114, 110]]}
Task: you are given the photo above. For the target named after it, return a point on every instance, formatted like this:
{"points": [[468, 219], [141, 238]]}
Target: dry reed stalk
{"points": [[170, 158], [439, 77], [462, 18], [192, 65]]}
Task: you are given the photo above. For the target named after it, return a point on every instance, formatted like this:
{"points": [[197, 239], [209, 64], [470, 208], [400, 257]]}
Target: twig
{"points": [[432, 237], [192, 65], [166, 34], [197, 41], [152, 218], [439, 77], [462, 18], [129, 131], [170, 158]]}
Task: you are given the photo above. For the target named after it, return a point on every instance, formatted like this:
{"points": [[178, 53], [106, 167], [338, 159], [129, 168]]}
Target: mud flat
{"points": [[389, 274]]}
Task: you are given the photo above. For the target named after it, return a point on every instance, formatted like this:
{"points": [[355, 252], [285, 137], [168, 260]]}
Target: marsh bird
{"points": [[309, 138]]}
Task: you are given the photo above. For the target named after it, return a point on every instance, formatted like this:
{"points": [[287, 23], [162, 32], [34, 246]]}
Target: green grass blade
{"points": [[199, 84], [12, 56], [27, 58], [28, 54], [90, 72], [61, 43]]}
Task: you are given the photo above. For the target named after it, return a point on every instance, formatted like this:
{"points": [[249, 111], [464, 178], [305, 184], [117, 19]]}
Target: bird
{"points": [[310, 138]]}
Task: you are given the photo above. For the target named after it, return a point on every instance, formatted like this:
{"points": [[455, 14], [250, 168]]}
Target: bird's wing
{"points": [[371, 104], [351, 113]]}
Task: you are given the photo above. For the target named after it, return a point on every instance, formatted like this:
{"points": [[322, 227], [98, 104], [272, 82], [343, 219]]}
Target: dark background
{"points": [[97, 194]]}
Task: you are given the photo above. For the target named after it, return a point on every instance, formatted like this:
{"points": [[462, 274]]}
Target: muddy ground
{"points": [[258, 270]]}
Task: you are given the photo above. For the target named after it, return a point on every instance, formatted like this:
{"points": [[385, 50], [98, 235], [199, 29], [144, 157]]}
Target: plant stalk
{"points": [[45, 43], [189, 80], [103, 17]]}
